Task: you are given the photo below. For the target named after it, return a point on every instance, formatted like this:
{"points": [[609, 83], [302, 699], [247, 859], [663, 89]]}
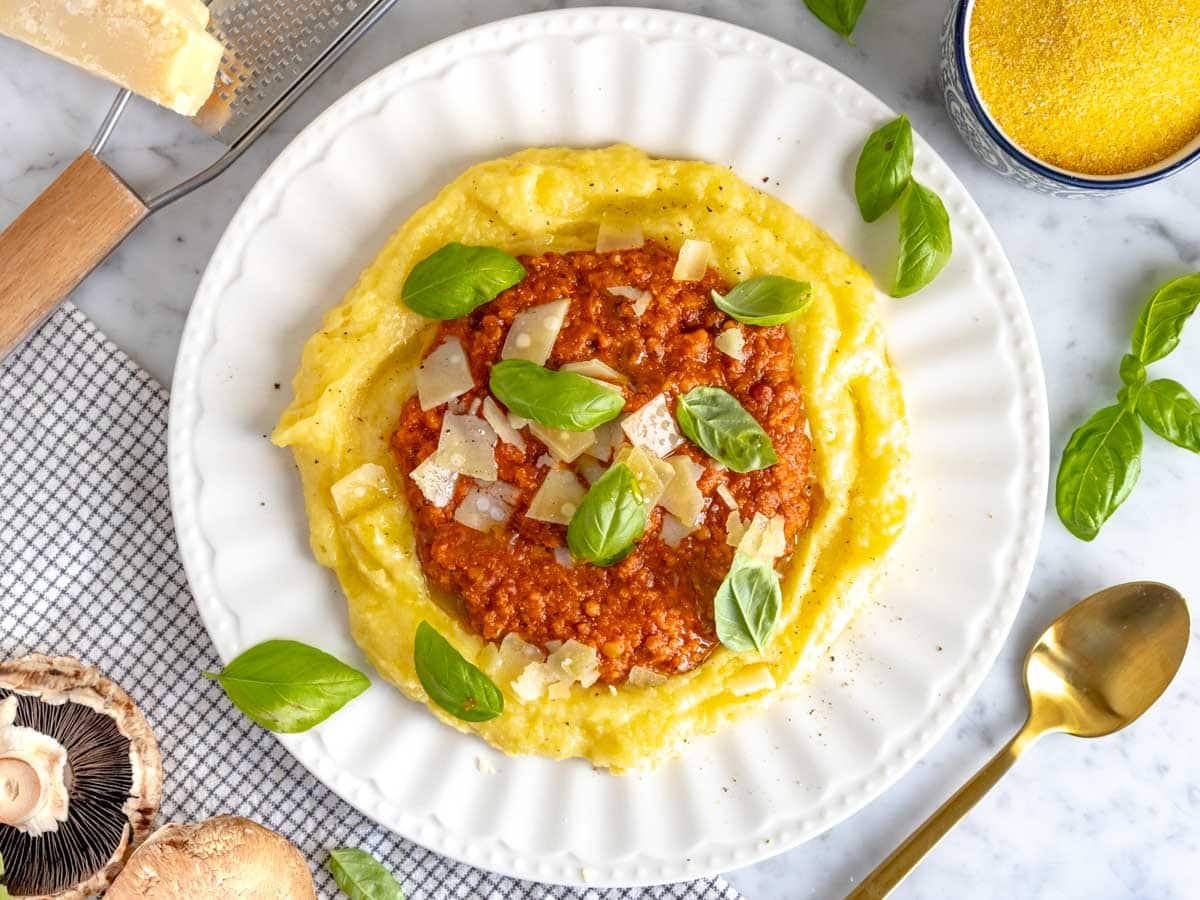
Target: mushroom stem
{"points": [[20, 790]]}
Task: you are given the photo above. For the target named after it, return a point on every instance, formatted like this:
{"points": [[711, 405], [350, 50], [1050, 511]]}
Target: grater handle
{"points": [[64, 234]]}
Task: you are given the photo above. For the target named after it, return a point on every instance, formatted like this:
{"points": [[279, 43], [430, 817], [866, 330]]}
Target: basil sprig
{"points": [[456, 279], [287, 686], [766, 300], [451, 682], [884, 168], [840, 15], [925, 240], [1103, 457], [560, 400], [610, 519], [883, 178], [713, 419], [747, 604], [360, 876]]}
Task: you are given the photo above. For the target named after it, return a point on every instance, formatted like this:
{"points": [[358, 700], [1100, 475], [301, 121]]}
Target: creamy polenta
{"points": [[360, 370]]}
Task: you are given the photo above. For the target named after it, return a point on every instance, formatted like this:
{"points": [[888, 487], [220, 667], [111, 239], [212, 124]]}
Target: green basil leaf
{"points": [[287, 686], [1171, 412], [451, 682], [925, 240], [1161, 323], [720, 426], [747, 604], [560, 400], [840, 15], [1133, 373], [610, 520], [361, 876], [767, 300], [456, 279], [884, 168], [1100, 465]]}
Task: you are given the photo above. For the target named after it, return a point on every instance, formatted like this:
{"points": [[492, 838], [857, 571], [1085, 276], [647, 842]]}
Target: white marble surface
{"points": [[1116, 817]]}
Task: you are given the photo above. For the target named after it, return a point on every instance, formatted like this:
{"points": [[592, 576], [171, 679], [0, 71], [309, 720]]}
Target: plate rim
{"points": [[708, 858]]}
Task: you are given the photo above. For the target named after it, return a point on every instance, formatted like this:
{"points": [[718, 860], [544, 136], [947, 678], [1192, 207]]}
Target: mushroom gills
{"points": [[100, 782]]}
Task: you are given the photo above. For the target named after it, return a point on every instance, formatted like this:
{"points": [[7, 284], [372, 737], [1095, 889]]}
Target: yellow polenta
{"points": [[359, 369]]}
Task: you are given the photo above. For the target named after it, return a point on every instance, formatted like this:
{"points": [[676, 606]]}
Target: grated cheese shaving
{"points": [[557, 499], [595, 369], [641, 676], [613, 237], [360, 490], [435, 482], [682, 497], [653, 427], [641, 299], [609, 437], [467, 445], [443, 375], [693, 261], [501, 425], [732, 342], [565, 445]]}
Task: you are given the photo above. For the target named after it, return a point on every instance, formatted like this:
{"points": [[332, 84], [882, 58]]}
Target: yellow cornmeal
{"points": [[1099, 87]]}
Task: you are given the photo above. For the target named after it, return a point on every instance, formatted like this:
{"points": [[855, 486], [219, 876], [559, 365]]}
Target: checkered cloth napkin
{"points": [[88, 568]]}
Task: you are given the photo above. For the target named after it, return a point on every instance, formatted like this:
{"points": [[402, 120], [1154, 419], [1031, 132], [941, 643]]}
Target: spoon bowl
{"points": [[1102, 664]]}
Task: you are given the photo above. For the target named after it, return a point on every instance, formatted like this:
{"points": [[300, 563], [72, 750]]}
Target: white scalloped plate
{"points": [[678, 86]]}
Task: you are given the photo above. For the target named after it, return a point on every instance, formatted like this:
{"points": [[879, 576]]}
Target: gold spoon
{"points": [[1099, 666]]}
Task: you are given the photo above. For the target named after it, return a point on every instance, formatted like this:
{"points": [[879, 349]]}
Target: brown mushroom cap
{"points": [[226, 857], [114, 778]]}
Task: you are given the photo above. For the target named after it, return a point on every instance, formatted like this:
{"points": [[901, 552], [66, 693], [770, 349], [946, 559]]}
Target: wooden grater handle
{"points": [[64, 234]]}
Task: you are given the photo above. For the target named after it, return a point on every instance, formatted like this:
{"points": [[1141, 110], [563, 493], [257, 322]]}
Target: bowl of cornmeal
{"points": [[1074, 97]]}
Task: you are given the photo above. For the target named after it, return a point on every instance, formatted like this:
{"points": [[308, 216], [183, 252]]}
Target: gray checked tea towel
{"points": [[88, 568]]}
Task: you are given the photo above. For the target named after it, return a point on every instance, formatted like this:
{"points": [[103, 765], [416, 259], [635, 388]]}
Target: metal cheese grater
{"points": [[274, 50]]}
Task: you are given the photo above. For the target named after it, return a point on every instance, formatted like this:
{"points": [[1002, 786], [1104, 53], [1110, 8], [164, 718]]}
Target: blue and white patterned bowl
{"points": [[996, 150]]}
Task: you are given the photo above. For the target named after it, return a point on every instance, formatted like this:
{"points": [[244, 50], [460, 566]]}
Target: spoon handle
{"points": [[889, 873]]}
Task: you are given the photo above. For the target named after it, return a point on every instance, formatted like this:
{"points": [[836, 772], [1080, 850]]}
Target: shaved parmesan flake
{"points": [[651, 474], [641, 299], [613, 237], [501, 425], [534, 331], [443, 375], [485, 766], [726, 496], [609, 437], [435, 482], [565, 445], [735, 528], [558, 498], [674, 531], [751, 680], [764, 539], [591, 470], [653, 428], [732, 342], [360, 490], [483, 509], [693, 261], [516, 653], [467, 445], [562, 556], [531, 683], [574, 661], [517, 422], [641, 676], [595, 369], [558, 690], [682, 497]]}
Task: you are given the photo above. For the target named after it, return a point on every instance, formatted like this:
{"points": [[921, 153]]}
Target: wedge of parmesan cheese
{"points": [[653, 428], [467, 445], [443, 375], [361, 489], [694, 259], [534, 331], [435, 482], [156, 48], [558, 498], [565, 445]]}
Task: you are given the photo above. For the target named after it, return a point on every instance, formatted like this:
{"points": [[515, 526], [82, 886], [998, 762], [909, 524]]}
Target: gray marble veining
{"points": [[1110, 818]]}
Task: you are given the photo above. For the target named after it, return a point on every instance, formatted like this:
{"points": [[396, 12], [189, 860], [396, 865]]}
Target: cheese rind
{"points": [[156, 48]]}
